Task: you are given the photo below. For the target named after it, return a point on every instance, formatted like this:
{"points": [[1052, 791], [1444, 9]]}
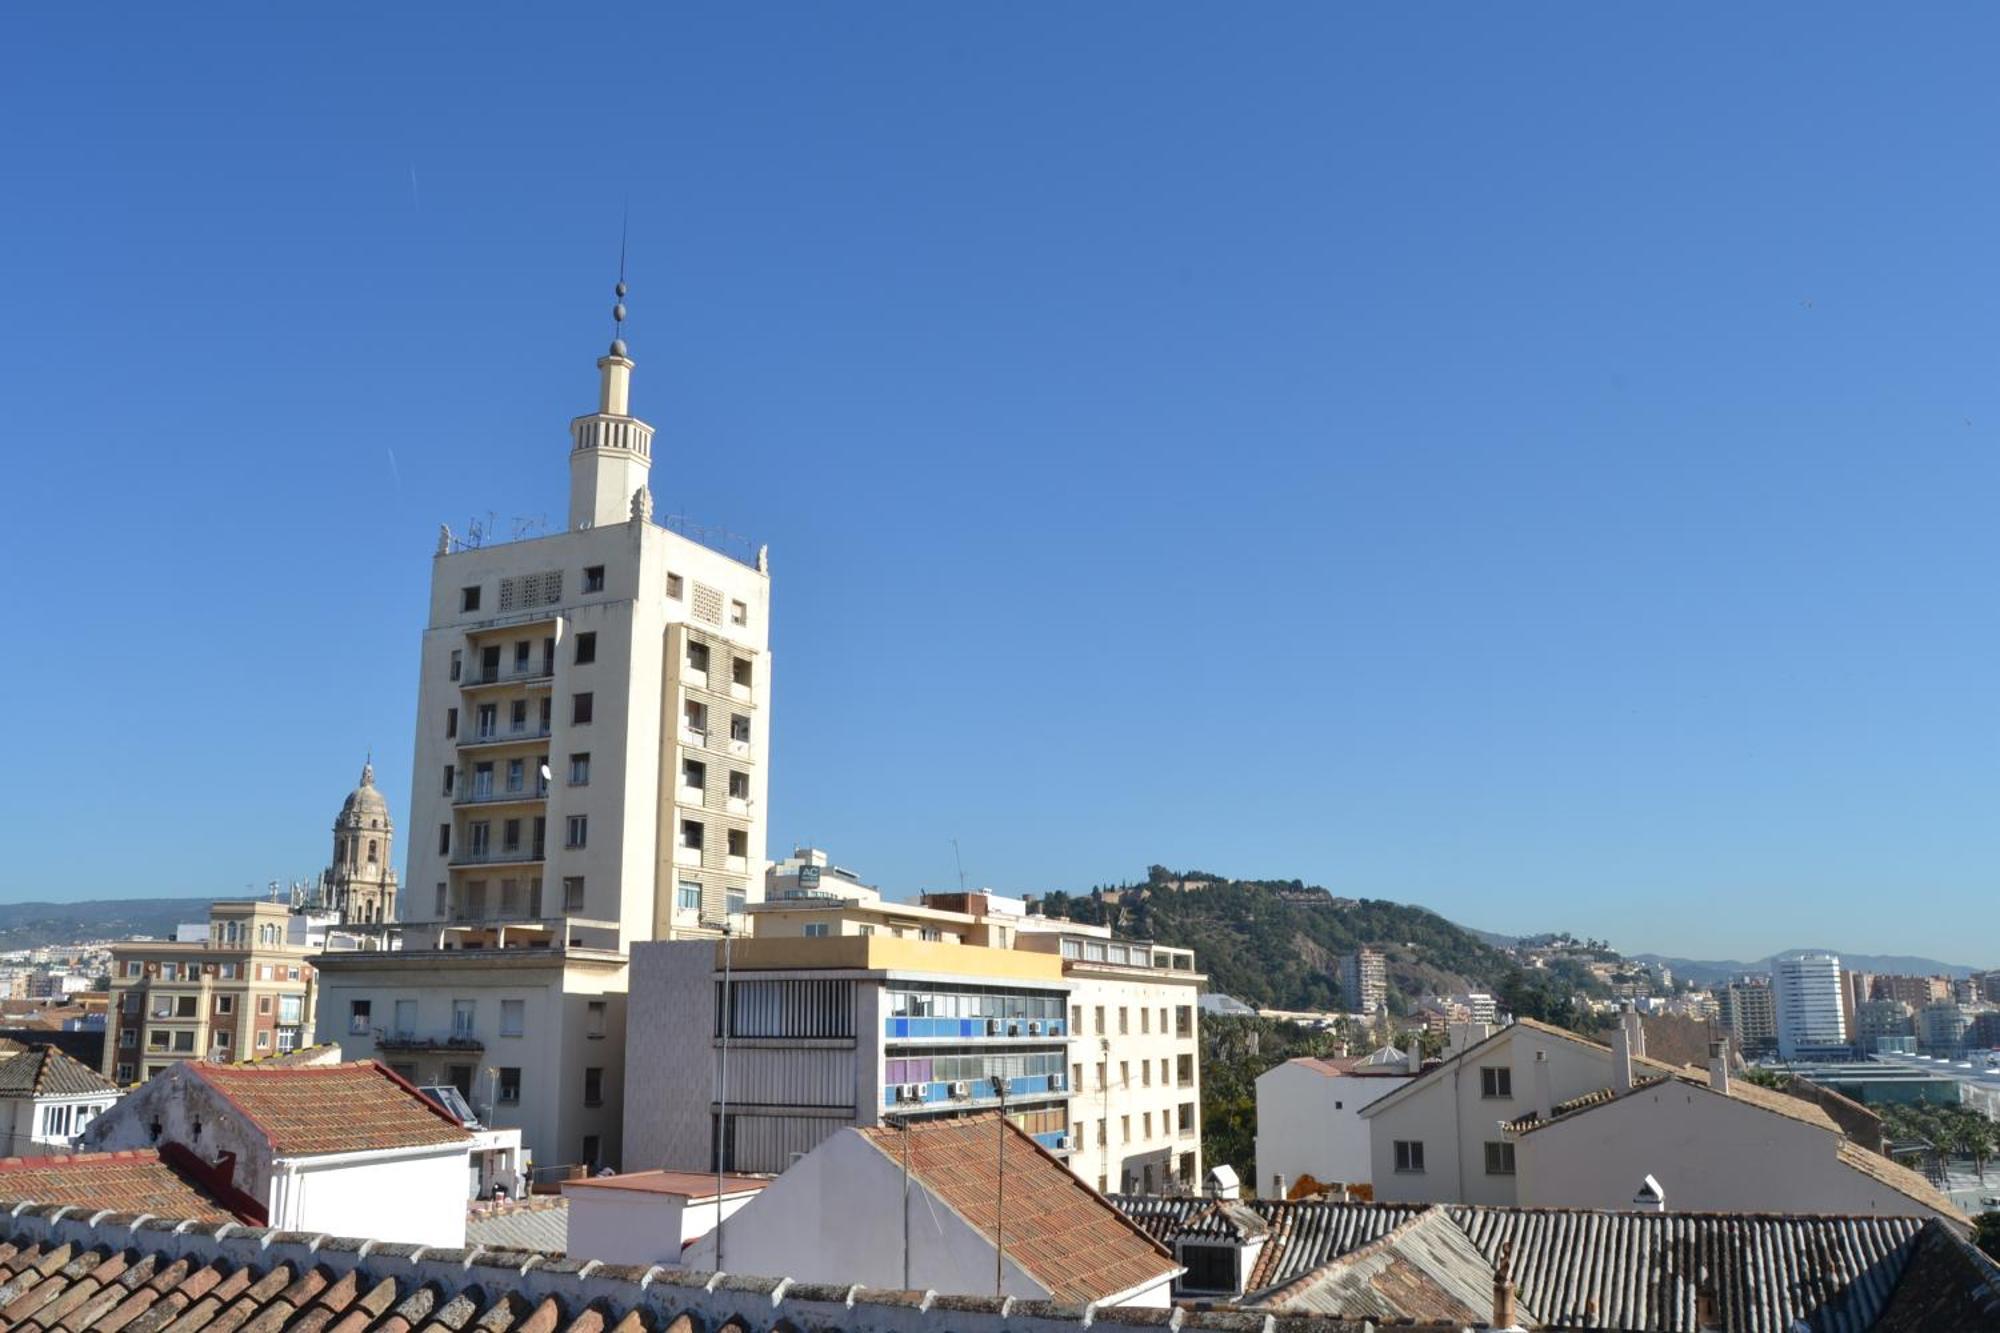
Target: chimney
{"points": [[1621, 1060], [1503, 1289], [1718, 1065], [1278, 1185], [1637, 1028], [1545, 1101], [1416, 1052]]}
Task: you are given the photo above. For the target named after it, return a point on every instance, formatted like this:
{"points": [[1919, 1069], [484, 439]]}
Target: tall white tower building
{"points": [[590, 770], [1806, 990]]}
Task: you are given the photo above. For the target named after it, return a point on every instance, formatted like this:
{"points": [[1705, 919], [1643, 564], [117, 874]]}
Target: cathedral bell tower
{"points": [[611, 451], [360, 884]]}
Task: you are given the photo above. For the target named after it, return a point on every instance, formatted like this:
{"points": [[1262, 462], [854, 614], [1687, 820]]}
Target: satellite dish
{"points": [[545, 772]]}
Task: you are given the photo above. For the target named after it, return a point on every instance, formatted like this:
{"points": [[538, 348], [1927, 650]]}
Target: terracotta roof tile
{"points": [[1060, 1231], [305, 1110], [44, 1071], [1899, 1178], [144, 1181]]}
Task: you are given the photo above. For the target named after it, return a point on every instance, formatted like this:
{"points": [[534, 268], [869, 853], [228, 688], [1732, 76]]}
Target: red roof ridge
{"points": [[75, 1159]]}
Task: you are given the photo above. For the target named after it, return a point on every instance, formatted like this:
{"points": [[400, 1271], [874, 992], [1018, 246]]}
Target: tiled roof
{"points": [[1059, 1230], [45, 1071], [1309, 1232], [689, 1184], [1522, 1124], [1770, 1099], [168, 1184], [1427, 1268], [1160, 1216], [1647, 1271], [1899, 1178], [162, 1277], [312, 1109]]}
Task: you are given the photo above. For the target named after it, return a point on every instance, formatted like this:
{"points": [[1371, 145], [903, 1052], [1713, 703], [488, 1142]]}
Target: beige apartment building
{"points": [[847, 1009], [590, 770], [247, 989]]}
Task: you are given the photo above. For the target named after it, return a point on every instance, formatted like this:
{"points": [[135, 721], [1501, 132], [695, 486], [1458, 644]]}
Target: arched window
{"points": [[371, 851]]}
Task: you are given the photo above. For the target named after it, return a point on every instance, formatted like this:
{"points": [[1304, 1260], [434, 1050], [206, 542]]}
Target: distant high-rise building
{"points": [[1364, 981], [1875, 1020], [1941, 1029], [1750, 1014], [1913, 991], [1856, 989], [1806, 988]]}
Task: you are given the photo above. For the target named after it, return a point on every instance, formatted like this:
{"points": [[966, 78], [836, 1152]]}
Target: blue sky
{"points": [[1536, 464]]}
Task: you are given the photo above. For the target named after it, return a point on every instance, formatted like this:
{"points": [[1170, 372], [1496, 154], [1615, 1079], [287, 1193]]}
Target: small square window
{"points": [[468, 598], [508, 1089], [688, 896], [593, 1087], [739, 727], [691, 834], [573, 893], [1499, 1158], [579, 769], [739, 671], [818, 929], [739, 786], [579, 830], [1496, 1081], [593, 578], [580, 710], [694, 774], [674, 587], [513, 1017], [739, 614], [697, 657], [593, 1018], [586, 647], [739, 842], [1409, 1155]]}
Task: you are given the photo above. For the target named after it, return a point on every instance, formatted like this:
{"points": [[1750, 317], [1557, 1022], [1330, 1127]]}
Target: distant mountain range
{"points": [[30, 925], [1706, 972]]}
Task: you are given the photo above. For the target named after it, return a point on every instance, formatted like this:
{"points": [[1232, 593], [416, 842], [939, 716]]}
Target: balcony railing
{"points": [[386, 1040], [978, 1091], [958, 1029], [537, 671], [474, 794], [499, 856], [503, 736]]}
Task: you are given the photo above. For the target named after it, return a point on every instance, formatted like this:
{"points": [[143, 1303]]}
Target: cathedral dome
{"points": [[364, 807]]}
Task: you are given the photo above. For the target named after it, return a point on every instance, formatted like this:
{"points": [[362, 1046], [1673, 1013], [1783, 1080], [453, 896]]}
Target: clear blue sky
{"points": [[1538, 464]]}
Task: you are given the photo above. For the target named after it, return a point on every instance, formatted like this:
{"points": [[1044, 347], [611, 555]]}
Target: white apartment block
{"points": [[1309, 1118], [848, 1010], [1806, 989], [590, 772]]}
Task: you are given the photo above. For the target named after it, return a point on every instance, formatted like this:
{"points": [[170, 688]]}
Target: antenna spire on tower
{"points": [[618, 310]]}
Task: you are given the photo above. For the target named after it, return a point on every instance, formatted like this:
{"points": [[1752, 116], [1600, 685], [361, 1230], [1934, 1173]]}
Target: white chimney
{"points": [[1650, 1198], [1545, 1101], [1718, 1065], [1416, 1052], [1637, 1029], [1277, 1185], [1621, 1060]]}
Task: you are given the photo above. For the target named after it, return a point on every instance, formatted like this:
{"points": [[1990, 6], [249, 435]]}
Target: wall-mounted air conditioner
{"points": [[992, 1027], [1035, 1029], [1068, 1143], [1055, 1082], [961, 1089]]}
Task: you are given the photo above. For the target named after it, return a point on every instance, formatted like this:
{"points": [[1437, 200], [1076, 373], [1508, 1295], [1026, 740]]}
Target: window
{"points": [[510, 835], [443, 893], [739, 614], [450, 723], [184, 1040], [572, 893], [468, 598], [691, 834], [1409, 1154], [579, 769], [134, 968], [739, 842], [464, 1014], [739, 671], [1187, 1117], [586, 648], [1210, 1268], [1146, 1125], [593, 578], [736, 901], [1145, 1020], [359, 1023], [1499, 1158], [1124, 1073], [450, 779], [263, 1001], [579, 831], [590, 1151], [593, 1018], [156, 1040], [444, 839], [513, 1017], [124, 1073], [697, 657], [818, 929], [509, 1089], [675, 588], [694, 774], [593, 1086], [457, 662], [128, 1037], [1146, 1073], [739, 786], [1076, 1078], [406, 1017], [522, 651], [1496, 1081], [184, 1006], [739, 727], [1124, 1129], [1100, 1020], [695, 716], [579, 709], [1124, 1021], [688, 896]]}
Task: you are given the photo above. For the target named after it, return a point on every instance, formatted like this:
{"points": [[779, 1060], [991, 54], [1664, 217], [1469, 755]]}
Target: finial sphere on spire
{"points": [[620, 288], [617, 347], [618, 312]]}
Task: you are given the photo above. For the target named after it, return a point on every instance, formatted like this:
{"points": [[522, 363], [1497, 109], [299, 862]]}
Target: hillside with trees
{"points": [[1277, 943]]}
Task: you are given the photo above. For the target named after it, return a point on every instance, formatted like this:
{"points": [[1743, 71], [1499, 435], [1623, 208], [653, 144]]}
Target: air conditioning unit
{"points": [[1014, 1028], [913, 1092], [1055, 1082], [1035, 1029], [1068, 1143], [961, 1089], [992, 1027]]}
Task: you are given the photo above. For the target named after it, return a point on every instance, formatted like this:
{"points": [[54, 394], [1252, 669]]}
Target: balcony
{"points": [[499, 856], [535, 673], [960, 1029], [979, 1092], [474, 794], [502, 736], [694, 736], [688, 856], [386, 1040]]}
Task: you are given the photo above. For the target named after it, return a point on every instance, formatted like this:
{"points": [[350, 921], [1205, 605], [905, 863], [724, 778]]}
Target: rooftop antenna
{"points": [[618, 310], [961, 864]]}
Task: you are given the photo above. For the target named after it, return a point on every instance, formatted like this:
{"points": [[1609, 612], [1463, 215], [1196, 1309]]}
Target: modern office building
{"points": [[246, 989], [1364, 981], [1805, 988], [846, 1009], [590, 768], [1750, 1013]]}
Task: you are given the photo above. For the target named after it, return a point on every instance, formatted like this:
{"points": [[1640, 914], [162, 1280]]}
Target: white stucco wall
{"points": [[635, 1227], [837, 1217], [415, 1197], [1447, 1113], [1709, 1153], [1310, 1123]]}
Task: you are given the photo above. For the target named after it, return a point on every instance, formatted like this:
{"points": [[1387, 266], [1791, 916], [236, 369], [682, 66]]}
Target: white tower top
{"points": [[611, 451]]}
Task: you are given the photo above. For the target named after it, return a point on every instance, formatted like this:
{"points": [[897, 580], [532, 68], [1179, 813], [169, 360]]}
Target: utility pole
{"points": [[722, 1095], [999, 1198]]}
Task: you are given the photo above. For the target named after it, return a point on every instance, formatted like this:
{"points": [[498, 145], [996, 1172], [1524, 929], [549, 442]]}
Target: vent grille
{"points": [[543, 589], [708, 603]]}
